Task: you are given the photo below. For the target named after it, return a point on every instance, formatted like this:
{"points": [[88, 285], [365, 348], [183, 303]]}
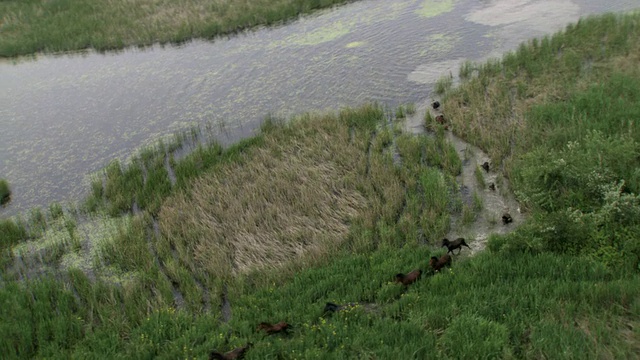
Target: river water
{"points": [[65, 116]]}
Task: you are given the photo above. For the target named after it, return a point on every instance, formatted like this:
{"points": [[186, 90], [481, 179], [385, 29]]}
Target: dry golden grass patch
{"points": [[293, 197]]}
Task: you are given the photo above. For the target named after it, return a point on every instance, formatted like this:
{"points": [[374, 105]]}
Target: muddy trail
{"points": [[495, 192]]}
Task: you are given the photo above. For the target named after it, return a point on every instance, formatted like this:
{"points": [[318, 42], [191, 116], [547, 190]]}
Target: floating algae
{"points": [[432, 8], [72, 247], [355, 44], [323, 34], [442, 43]]}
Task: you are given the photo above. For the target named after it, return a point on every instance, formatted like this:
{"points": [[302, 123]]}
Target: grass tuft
{"points": [[5, 192], [443, 85]]}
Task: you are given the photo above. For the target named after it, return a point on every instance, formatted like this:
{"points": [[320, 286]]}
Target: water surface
{"points": [[63, 117]]}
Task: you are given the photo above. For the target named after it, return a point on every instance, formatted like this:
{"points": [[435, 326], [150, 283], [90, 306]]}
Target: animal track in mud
{"points": [[494, 202]]}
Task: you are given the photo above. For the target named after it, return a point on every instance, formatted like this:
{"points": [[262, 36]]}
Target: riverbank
{"points": [[177, 256], [59, 26], [558, 116]]}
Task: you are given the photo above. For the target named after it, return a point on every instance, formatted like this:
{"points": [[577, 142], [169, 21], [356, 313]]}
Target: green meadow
{"points": [[30, 26], [174, 256]]}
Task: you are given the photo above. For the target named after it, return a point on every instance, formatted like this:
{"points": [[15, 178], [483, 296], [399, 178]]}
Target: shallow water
{"points": [[495, 202], [66, 116]]}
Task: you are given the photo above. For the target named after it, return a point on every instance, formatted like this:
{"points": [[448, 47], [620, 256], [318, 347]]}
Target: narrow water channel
{"points": [[63, 117]]}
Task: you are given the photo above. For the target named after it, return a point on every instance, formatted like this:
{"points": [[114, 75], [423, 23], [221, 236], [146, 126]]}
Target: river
{"points": [[65, 116]]}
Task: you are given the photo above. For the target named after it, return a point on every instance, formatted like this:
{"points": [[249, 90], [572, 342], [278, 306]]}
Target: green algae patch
{"points": [[334, 29], [102, 231], [53, 242], [68, 245], [109, 274], [322, 35], [442, 42], [432, 8], [355, 44], [112, 275]]}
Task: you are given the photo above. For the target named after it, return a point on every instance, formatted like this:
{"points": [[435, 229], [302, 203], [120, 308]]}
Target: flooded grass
{"points": [[443, 85], [410, 109], [112, 257], [466, 69], [477, 202], [338, 178], [33, 26], [478, 172], [375, 217]]}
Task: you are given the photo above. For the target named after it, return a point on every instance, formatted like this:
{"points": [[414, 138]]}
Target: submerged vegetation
{"points": [[176, 255], [56, 26]]}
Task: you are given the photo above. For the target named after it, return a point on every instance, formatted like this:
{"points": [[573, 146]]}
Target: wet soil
{"points": [[495, 202]]}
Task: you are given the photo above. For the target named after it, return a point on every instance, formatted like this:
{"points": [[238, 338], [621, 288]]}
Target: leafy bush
{"points": [[572, 176], [609, 233]]}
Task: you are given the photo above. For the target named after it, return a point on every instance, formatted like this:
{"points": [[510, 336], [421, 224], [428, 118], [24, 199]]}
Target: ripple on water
{"points": [[539, 15], [431, 8], [431, 72], [66, 115]]}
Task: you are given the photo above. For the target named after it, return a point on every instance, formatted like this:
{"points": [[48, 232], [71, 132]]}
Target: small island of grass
{"points": [[5, 192]]}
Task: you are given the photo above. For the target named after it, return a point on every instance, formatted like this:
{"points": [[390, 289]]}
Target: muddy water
{"points": [[63, 117]]}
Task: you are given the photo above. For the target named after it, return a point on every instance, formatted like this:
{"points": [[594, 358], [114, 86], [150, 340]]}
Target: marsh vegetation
{"points": [[329, 208], [558, 113]]}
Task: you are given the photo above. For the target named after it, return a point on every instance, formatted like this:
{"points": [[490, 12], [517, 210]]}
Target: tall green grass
{"points": [[12, 231], [559, 113], [490, 306], [136, 271], [55, 26], [563, 285]]}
